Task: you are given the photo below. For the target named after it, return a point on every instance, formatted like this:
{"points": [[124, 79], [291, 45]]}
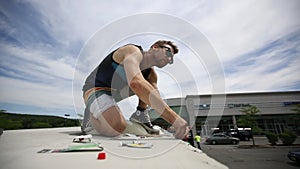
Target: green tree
{"points": [[272, 138], [249, 119], [41, 125], [287, 137]]}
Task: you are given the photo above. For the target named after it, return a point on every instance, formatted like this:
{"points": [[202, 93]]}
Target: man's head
{"points": [[164, 42], [164, 52]]}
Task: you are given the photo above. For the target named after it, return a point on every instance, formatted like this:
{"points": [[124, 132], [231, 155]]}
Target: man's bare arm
{"points": [[148, 94]]}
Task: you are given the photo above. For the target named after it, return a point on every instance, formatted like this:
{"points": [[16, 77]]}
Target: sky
{"points": [[49, 47]]}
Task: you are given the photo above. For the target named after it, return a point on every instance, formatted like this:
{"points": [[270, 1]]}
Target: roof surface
{"points": [[19, 150]]}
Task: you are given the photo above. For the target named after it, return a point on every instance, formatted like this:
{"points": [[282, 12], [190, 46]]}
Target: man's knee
{"points": [[114, 128], [114, 118], [119, 126]]}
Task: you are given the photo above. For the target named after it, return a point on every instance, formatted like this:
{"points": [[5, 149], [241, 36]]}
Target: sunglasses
{"points": [[168, 53]]}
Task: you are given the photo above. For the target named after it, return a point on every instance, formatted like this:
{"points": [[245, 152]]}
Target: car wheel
{"points": [[247, 138], [213, 142], [234, 142]]}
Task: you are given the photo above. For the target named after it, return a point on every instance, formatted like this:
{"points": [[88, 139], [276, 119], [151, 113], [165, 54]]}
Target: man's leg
{"points": [[142, 105], [110, 123], [199, 147], [104, 114], [85, 123], [142, 113], [141, 116]]}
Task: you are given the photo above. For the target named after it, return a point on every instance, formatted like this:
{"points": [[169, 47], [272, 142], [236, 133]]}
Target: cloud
{"points": [[35, 94], [29, 78], [272, 67], [243, 26], [34, 71], [41, 40]]}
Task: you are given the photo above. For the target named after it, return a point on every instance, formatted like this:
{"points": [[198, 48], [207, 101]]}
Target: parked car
{"points": [[241, 133], [294, 155], [221, 138]]}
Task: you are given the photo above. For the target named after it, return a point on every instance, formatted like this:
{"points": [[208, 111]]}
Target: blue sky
{"points": [[257, 43]]}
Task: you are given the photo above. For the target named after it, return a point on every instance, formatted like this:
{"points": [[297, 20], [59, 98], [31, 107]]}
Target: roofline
{"points": [[237, 93]]}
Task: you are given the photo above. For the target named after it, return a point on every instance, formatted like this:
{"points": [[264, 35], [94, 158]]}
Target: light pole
{"points": [[66, 115]]}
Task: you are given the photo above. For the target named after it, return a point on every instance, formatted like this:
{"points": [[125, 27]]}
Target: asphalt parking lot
{"points": [[242, 157]]}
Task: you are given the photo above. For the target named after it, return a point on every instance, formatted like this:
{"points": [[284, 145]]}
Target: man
{"points": [[190, 138], [198, 140], [126, 71]]}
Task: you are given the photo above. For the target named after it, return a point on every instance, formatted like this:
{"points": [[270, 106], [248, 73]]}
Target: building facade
{"points": [[208, 112]]}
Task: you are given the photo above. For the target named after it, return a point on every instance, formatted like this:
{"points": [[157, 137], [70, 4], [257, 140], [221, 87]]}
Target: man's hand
{"points": [[181, 128]]}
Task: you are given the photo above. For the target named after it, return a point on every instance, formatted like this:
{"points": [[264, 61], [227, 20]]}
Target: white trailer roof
{"points": [[18, 149]]}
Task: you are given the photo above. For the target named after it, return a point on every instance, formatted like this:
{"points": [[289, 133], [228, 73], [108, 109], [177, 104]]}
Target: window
{"points": [[237, 105], [290, 103], [202, 106]]}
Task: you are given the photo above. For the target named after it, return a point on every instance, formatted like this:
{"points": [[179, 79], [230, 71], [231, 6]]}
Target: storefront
{"points": [[206, 112]]}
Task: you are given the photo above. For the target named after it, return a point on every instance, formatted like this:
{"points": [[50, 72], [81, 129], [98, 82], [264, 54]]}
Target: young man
{"points": [[128, 71]]}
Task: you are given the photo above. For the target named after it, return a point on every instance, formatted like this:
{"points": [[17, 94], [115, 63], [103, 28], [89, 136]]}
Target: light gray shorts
{"points": [[101, 104]]}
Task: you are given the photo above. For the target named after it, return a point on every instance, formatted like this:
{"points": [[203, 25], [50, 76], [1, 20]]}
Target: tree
{"points": [[249, 119]]}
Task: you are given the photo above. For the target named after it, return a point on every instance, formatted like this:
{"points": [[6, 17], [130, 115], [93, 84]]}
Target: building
{"points": [[207, 112]]}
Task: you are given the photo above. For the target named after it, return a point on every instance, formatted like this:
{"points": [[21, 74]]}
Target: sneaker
{"points": [[143, 118], [86, 125]]}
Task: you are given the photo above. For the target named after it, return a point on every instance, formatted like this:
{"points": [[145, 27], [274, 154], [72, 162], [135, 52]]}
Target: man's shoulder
{"points": [[131, 44], [132, 47], [127, 51]]}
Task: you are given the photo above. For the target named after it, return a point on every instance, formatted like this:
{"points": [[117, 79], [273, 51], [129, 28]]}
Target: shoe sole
{"points": [[152, 131]]}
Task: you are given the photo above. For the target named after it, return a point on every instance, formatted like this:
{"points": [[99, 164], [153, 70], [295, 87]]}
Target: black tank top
{"points": [[112, 75]]}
